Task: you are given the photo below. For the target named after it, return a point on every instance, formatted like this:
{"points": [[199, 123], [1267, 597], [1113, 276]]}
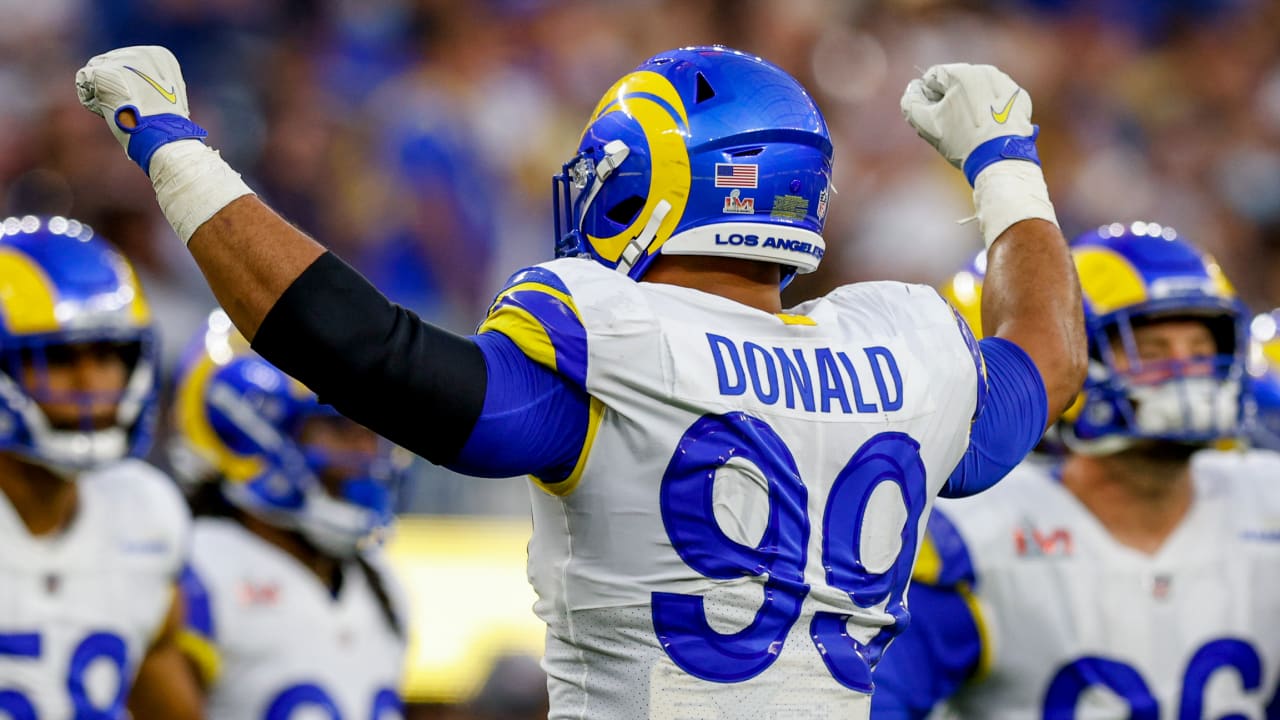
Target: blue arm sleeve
{"points": [[533, 419], [931, 659], [1012, 420]]}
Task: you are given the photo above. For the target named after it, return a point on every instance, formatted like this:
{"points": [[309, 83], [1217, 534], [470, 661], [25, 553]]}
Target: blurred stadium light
{"points": [[469, 599]]}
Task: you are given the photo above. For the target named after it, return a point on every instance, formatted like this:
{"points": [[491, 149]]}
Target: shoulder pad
{"points": [[536, 310], [143, 497]]}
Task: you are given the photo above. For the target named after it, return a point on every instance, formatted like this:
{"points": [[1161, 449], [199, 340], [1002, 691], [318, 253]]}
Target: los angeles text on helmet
{"points": [[748, 240]]}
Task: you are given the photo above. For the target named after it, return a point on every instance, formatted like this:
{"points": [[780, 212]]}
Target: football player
{"points": [[289, 605], [729, 495], [1135, 578], [93, 540]]}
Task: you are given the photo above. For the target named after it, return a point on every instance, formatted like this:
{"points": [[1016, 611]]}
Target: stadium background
{"points": [[416, 138]]}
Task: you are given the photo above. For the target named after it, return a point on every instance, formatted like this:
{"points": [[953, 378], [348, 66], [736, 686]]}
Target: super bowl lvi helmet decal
{"points": [[1140, 273], [61, 287], [239, 421], [699, 151]]}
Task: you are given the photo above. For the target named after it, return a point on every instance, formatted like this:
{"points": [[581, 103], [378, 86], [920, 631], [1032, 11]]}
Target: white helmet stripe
{"points": [[795, 247]]}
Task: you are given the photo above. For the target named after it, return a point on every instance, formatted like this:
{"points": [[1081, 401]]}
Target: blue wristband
{"points": [[1007, 147], [154, 131]]}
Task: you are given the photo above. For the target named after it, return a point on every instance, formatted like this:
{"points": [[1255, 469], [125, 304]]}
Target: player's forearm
{"points": [[1031, 297], [250, 256]]}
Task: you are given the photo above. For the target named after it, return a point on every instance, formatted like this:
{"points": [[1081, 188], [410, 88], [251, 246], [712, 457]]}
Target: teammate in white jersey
{"points": [[1133, 579], [733, 494], [92, 541], [290, 608]]}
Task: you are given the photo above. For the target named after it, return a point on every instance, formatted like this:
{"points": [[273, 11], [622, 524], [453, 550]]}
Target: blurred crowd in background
{"points": [[416, 138]]}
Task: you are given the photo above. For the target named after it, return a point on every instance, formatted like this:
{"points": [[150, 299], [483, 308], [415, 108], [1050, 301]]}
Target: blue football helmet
{"points": [[241, 421], [62, 286], [1263, 427], [964, 291], [1136, 274], [698, 151]]}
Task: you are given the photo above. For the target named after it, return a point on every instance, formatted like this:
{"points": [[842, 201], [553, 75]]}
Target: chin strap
{"points": [[637, 246]]}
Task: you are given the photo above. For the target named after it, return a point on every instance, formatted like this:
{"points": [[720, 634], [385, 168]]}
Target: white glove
{"points": [[958, 107], [192, 181], [147, 80], [978, 118]]}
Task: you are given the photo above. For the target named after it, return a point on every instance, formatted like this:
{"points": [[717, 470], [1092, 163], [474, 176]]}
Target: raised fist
{"points": [[141, 93], [974, 115]]}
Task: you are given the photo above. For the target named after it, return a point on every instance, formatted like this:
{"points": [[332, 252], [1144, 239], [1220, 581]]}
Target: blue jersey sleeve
{"points": [[197, 638], [532, 418], [1013, 415], [537, 312], [943, 646]]}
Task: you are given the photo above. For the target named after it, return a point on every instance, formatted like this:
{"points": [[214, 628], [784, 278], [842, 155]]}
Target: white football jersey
{"points": [[753, 485], [1077, 626], [78, 610], [272, 641]]}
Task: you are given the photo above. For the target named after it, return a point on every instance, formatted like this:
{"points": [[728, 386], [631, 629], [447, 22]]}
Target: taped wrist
{"points": [[192, 183], [1007, 192]]}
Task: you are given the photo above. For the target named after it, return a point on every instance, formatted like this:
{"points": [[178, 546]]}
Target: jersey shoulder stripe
{"points": [[196, 639], [195, 597], [537, 312]]}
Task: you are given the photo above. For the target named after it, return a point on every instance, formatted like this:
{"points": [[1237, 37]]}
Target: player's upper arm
{"points": [[464, 402], [1011, 421], [153, 503], [944, 645], [537, 415]]}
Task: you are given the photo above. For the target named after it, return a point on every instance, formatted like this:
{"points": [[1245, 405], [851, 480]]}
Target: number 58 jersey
{"points": [[80, 609], [739, 529]]}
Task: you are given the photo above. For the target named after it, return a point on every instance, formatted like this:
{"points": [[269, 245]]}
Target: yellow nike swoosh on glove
{"points": [[999, 117], [173, 98]]}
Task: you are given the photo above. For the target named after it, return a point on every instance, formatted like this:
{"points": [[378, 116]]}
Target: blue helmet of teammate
{"points": [[698, 151], [964, 291], [1133, 275], [1263, 426], [242, 421], [61, 286]]}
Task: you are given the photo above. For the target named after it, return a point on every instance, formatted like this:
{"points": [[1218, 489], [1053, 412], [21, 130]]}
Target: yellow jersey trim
{"points": [[202, 653], [595, 415], [789, 319]]}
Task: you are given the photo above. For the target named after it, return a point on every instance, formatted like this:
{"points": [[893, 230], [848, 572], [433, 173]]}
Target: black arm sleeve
{"points": [[379, 364]]}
